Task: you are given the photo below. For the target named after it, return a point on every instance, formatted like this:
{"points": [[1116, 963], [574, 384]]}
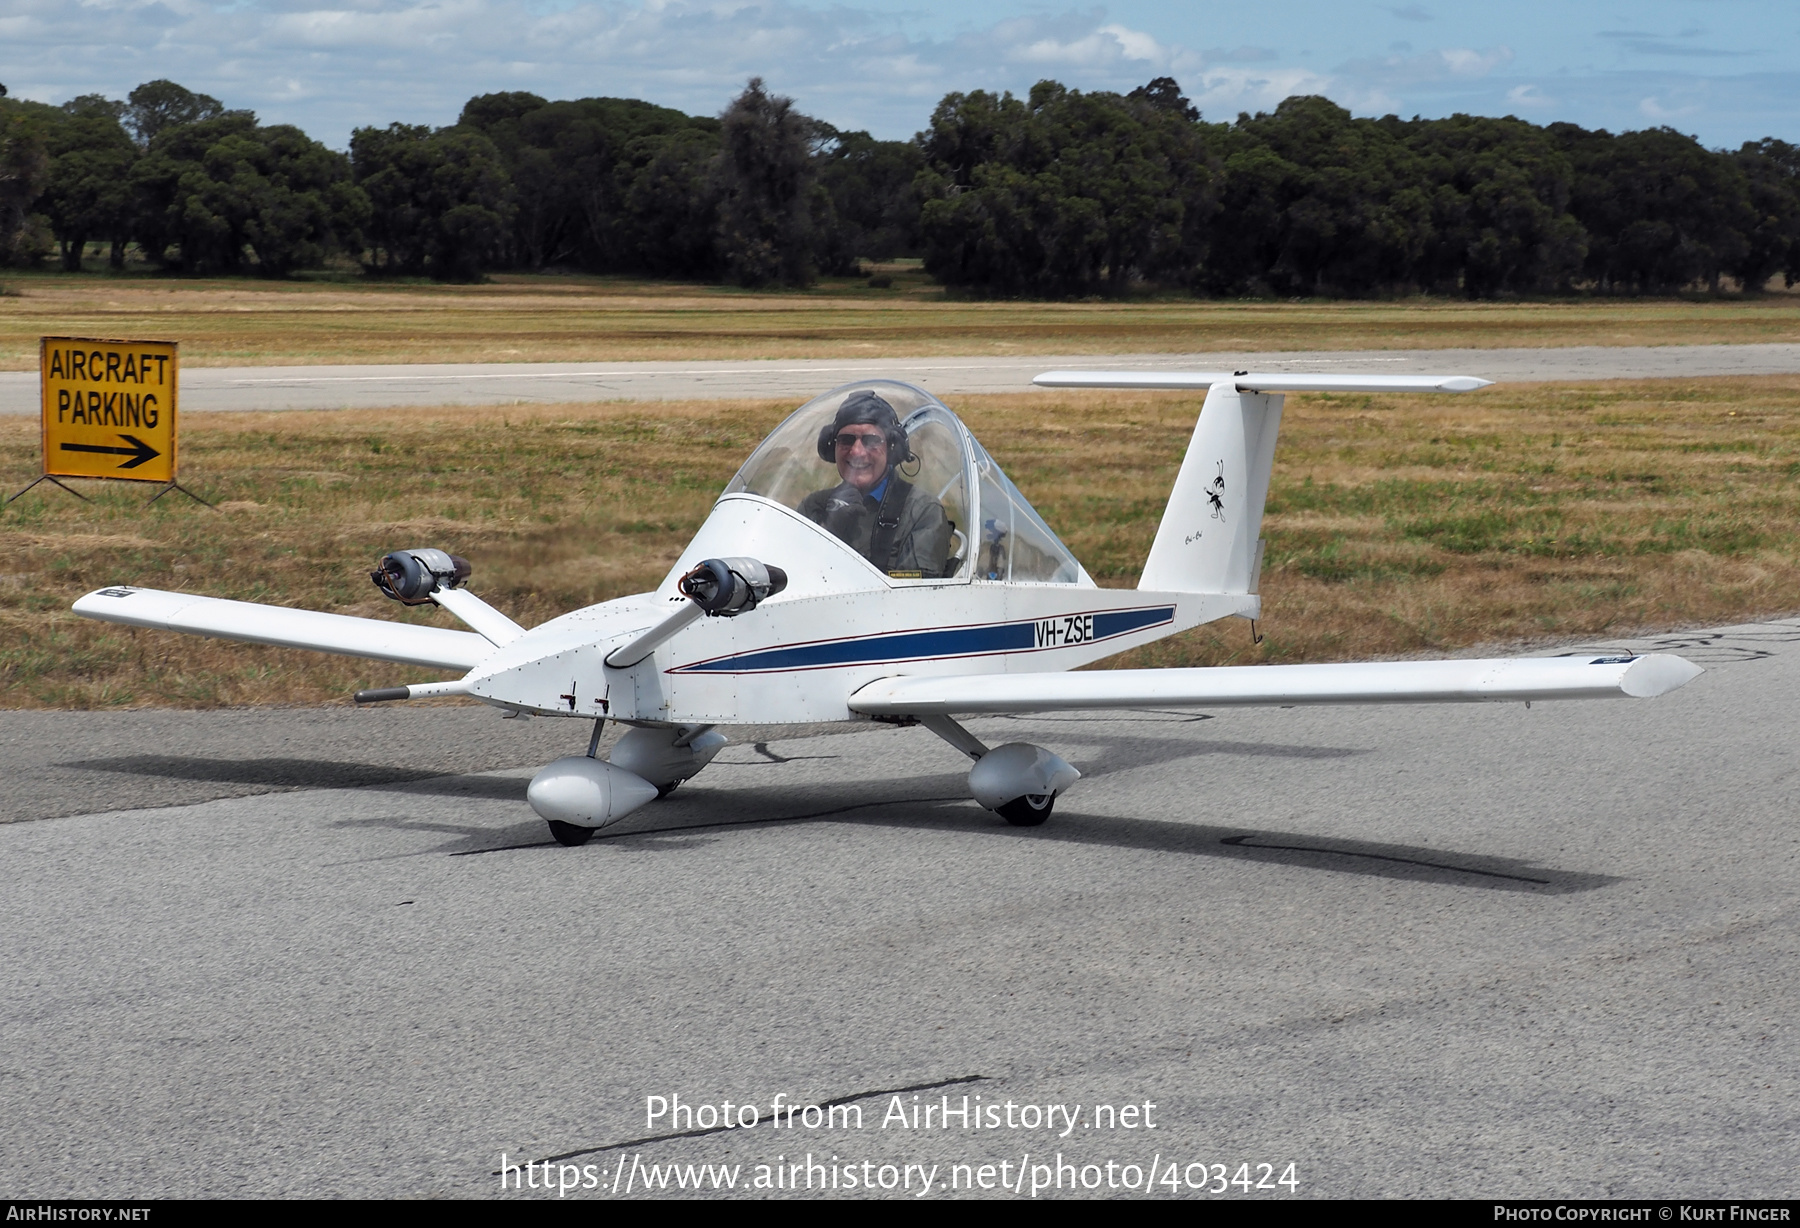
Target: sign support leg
{"points": [[47, 478], [165, 490]]}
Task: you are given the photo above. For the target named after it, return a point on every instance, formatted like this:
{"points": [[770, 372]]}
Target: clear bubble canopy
{"points": [[994, 533]]}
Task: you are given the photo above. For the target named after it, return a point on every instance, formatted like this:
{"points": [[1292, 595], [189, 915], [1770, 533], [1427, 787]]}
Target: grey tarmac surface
{"points": [[1481, 951], [373, 387]]}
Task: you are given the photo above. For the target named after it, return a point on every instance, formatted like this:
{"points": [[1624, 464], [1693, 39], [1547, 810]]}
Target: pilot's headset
{"points": [[865, 408]]}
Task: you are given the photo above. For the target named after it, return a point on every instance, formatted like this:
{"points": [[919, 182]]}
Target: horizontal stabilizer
{"points": [[1385, 682], [271, 624], [1260, 381]]}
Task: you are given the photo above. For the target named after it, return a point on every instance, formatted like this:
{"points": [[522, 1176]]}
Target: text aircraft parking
{"points": [[870, 561]]}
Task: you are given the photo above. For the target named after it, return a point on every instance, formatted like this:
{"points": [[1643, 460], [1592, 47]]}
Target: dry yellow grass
{"points": [[1396, 525], [540, 319]]}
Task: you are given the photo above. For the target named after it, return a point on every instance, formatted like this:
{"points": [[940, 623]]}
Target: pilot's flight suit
{"points": [[917, 529]]}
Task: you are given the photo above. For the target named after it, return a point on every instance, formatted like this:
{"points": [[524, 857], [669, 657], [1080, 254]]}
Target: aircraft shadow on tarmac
{"points": [[1394, 861], [937, 803], [687, 823], [1120, 754], [306, 774]]}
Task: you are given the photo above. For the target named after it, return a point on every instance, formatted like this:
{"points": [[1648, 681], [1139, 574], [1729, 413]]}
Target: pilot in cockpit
{"points": [[880, 515]]}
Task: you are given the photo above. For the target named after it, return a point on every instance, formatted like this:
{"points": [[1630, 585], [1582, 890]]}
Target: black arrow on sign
{"points": [[139, 451]]}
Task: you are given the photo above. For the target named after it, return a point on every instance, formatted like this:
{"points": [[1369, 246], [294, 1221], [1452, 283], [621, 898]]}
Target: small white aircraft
{"points": [[822, 589]]}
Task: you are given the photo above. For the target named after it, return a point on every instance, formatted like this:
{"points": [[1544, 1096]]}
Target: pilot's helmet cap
{"points": [[864, 407]]}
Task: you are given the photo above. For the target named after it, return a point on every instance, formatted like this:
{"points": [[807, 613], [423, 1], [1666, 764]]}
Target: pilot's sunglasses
{"points": [[849, 440]]}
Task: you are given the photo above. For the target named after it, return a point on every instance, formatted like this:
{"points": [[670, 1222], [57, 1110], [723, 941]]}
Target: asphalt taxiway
{"points": [[1467, 951], [423, 384]]}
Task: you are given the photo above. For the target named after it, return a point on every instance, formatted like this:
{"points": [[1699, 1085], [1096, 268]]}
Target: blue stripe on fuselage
{"points": [[1109, 623], [974, 641]]}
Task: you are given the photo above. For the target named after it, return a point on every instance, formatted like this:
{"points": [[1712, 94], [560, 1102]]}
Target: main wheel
{"points": [[1028, 811], [571, 835], [663, 791]]}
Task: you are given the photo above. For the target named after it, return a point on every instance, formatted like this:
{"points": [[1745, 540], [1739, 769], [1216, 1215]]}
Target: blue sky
{"points": [[1725, 70]]}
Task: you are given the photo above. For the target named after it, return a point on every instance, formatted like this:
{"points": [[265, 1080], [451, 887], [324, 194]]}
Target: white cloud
{"points": [[1106, 46], [1528, 98], [422, 25], [1464, 62], [1654, 108], [1222, 92], [1134, 44]]}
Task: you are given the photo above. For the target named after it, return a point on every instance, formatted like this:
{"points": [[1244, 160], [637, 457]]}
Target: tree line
{"points": [[1058, 193]]}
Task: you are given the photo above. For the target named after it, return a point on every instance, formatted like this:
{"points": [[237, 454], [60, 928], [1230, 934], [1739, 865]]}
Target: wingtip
{"points": [[87, 601], [1658, 674]]}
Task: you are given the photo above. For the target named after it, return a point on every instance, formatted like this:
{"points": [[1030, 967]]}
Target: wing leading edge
{"points": [[1386, 682], [1260, 381], [373, 638]]}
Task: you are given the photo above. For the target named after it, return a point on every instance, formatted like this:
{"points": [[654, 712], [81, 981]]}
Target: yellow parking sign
{"points": [[109, 408]]}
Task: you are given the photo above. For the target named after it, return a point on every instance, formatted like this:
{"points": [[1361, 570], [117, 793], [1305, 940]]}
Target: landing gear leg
{"points": [[998, 772], [574, 835]]}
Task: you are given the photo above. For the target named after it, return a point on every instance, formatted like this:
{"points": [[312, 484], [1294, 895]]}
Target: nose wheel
{"points": [[571, 835], [1028, 811]]}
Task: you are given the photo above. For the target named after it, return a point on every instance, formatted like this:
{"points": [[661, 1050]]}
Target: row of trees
{"points": [[1064, 192], [195, 186], [762, 194], [1057, 193]]}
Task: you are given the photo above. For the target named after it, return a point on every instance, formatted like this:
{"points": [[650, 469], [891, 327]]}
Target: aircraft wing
{"points": [[270, 624], [1261, 381], [1387, 682]]}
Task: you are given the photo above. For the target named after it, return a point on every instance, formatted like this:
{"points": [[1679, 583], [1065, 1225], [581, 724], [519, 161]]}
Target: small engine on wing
{"points": [[411, 576], [728, 587]]}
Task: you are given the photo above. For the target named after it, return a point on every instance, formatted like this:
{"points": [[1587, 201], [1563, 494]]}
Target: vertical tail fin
{"points": [[1208, 541]]}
